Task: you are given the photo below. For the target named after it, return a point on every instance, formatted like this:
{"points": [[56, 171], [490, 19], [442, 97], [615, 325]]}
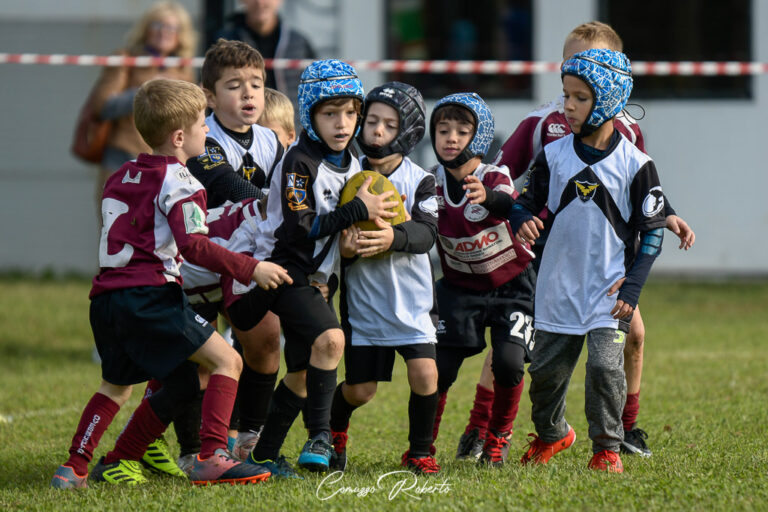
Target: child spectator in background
{"points": [[153, 213], [600, 191], [386, 301], [278, 116], [542, 126], [487, 281]]}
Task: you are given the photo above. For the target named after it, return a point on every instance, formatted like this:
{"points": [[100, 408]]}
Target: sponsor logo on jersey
{"points": [[296, 191], [475, 212], [135, 180], [585, 190], [194, 218], [202, 321], [183, 174], [489, 266], [327, 194], [653, 202], [485, 244], [441, 327], [619, 337], [556, 130], [440, 202]]}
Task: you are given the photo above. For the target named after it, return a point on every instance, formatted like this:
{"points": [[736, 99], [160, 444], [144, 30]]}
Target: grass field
{"points": [[704, 405]]}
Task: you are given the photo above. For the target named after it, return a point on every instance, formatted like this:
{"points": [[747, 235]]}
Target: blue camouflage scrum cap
{"points": [[481, 140], [323, 80], [609, 74]]}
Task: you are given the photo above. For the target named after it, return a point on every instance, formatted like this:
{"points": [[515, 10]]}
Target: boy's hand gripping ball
{"points": [[379, 185]]}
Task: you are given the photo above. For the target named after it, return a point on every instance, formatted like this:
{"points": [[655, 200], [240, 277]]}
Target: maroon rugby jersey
{"points": [[477, 249], [547, 124], [224, 220], [153, 212], [232, 226]]}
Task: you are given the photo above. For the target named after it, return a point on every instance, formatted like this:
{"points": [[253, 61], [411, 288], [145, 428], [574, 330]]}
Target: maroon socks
{"points": [[96, 417]]}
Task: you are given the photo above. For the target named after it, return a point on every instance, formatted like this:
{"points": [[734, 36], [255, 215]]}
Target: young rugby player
{"points": [[300, 232], [600, 191], [386, 302], [540, 127], [143, 327], [487, 281]]}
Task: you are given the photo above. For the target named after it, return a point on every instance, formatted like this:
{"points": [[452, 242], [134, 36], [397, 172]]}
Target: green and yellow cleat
{"points": [[121, 472], [158, 459]]}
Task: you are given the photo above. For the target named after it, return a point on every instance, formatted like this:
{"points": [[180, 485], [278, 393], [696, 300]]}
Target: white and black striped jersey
{"points": [[594, 210], [387, 302], [231, 172], [302, 219]]}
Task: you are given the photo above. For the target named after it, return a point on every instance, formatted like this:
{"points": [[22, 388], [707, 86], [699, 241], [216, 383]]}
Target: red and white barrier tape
{"points": [[483, 67]]}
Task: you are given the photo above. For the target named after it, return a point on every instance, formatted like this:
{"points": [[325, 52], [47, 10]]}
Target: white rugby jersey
{"points": [[545, 124], [387, 301], [304, 186], [596, 211], [257, 159]]}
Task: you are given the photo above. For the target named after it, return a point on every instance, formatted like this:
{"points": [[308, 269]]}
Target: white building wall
{"points": [[711, 154]]}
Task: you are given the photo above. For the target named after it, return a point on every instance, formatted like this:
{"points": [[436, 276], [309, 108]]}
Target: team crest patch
{"points": [[653, 202], [585, 190], [296, 191], [475, 212], [211, 158]]}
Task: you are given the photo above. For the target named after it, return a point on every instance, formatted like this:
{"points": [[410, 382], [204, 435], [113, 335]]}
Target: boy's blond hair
{"points": [[228, 54], [595, 32], [186, 35], [162, 106], [278, 110]]}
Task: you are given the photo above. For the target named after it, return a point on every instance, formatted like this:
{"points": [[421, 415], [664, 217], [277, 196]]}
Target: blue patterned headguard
{"points": [[323, 80], [484, 127], [609, 74]]}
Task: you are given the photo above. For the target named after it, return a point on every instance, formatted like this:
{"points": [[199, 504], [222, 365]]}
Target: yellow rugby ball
{"points": [[379, 185]]}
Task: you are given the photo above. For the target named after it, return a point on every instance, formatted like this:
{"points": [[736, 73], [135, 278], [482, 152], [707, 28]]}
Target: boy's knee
{"points": [[359, 394], [423, 379], [599, 367], [232, 364], [116, 393], [330, 343], [264, 355], [509, 365], [635, 340], [511, 377], [297, 382]]}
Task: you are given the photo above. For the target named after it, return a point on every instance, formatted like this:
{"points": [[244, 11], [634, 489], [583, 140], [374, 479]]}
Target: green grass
{"points": [[703, 404]]}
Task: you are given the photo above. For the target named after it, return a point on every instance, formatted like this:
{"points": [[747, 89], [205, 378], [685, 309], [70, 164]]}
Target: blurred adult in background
{"points": [[164, 30], [260, 25]]}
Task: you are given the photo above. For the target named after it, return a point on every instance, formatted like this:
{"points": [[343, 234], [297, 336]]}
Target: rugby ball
{"points": [[379, 185]]}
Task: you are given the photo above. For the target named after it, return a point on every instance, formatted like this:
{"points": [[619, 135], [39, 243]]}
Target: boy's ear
{"points": [[210, 97], [292, 136], [177, 138]]}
